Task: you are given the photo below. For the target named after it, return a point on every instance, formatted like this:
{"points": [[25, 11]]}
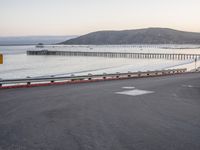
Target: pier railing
{"points": [[118, 54], [26, 82]]}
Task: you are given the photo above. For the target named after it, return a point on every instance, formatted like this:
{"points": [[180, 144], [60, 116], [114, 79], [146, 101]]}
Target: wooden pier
{"points": [[118, 55]]}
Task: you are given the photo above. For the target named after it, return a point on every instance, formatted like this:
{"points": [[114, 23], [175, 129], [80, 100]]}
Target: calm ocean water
{"points": [[18, 65]]}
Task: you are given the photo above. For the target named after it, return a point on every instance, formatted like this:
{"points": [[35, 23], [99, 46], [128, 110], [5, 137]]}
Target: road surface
{"points": [[159, 113]]}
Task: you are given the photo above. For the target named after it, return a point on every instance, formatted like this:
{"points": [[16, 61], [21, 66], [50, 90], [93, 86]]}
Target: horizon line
{"points": [[54, 35]]}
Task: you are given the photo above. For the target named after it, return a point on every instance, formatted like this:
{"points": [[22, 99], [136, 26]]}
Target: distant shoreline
{"points": [[163, 46], [22, 44], [33, 40]]}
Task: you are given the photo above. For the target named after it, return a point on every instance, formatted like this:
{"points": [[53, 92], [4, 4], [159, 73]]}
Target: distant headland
{"points": [[138, 36]]}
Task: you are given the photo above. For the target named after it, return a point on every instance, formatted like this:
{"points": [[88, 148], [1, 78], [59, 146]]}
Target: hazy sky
{"points": [[76, 17]]}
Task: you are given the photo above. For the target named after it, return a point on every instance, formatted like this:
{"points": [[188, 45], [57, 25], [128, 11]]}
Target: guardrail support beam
{"points": [[28, 81]]}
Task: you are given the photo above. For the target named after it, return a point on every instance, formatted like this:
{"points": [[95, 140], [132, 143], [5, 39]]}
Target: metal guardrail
{"points": [[52, 79]]}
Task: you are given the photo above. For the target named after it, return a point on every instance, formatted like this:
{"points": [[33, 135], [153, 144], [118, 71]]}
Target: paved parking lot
{"points": [[159, 113]]}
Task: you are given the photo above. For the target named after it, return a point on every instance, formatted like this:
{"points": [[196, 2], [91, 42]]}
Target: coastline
{"points": [[190, 66]]}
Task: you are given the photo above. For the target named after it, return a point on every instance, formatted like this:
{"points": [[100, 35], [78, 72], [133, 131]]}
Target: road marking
{"points": [[135, 92], [189, 86], [128, 87]]}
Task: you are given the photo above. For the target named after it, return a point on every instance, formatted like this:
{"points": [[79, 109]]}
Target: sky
{"points": [[77, 17]]}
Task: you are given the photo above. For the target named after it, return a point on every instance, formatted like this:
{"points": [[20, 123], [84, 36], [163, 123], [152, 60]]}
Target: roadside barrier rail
{"points": [[25, 82]]}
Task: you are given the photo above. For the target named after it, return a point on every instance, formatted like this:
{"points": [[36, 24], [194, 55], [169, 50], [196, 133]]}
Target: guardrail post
{"points": [[89, 76], [104, 76], [129, 74], [139, 74], [28, 83], [72, 75], [117, 75], [52, 81]]}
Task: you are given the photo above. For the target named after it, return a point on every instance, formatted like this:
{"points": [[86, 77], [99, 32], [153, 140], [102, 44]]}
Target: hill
{"points": [[139, 36]]}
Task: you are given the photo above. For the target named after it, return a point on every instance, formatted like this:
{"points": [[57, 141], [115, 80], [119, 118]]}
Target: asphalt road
{"points": [[92, 116]]}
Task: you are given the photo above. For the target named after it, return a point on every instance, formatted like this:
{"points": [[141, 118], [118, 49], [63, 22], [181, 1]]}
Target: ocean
{"points": [[18, 65]]}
